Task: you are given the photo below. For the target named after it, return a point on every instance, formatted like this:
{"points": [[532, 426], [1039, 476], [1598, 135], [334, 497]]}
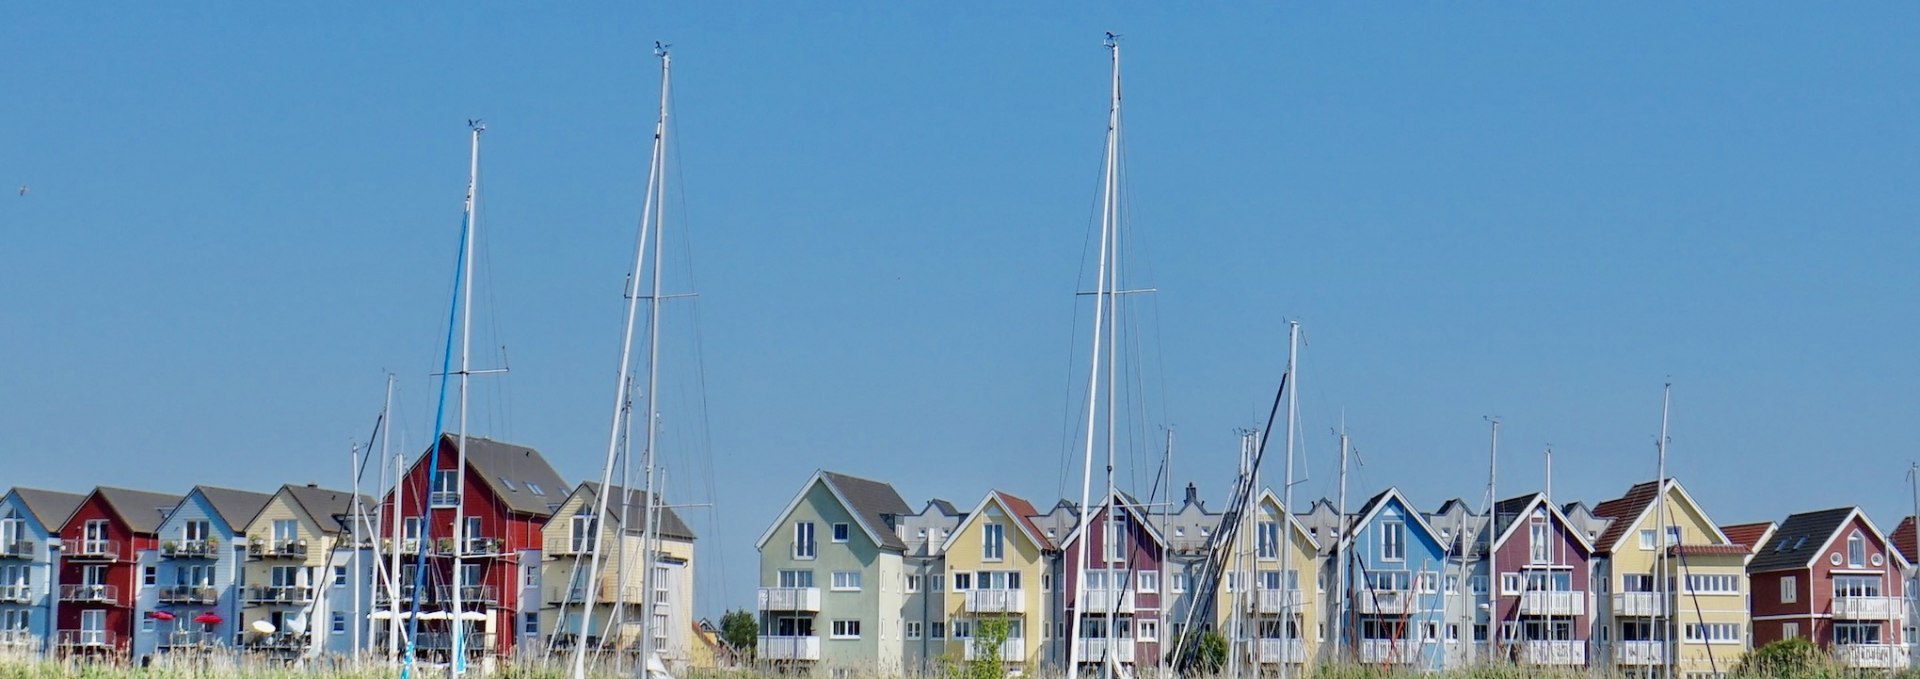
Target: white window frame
{"points": [[846, 581], [842, 532], [845, 629], [1393, 541], [806, 546], [1790, 592], [993, 541]]}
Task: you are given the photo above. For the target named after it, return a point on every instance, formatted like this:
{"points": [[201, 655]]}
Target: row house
{"points": [[992, 562], [1394, 613], [923, 625], [1540, 601], [1832, 577], [1267, 610], [833, 579], [30, 523], [1465, 613], [1672, 587], [503, 499], [306, 580], [196, 603], [619, 594], [1119, 601], [109, 551]]}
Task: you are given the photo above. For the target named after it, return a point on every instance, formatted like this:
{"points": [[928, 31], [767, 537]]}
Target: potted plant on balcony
{"points": [[445, 545], [213, 543], [168, 546]]}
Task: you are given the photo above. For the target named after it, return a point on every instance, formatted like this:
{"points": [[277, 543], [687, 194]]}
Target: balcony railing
{"points": [[91, 550], [1011, 650], [273, 595], [382, 600], [81, 639], [1639, 604], [1389, 651], [90, 594], [279, 643], [469, 594], [1277, 601], [190, 549], [1562, 653], [997, 601], [1096, 649], [16, 594], [475, 546], [18, 638], [1553, 603], [1106, 600], [1872, 656], [1386, 602], [789, 599], [1291, 651], [1866, 608], [189, 595], [604, 594], [18, 549], [442, 499], [1639, 652], [788, 648], [277, 549], [189, 639], [472, 642]]}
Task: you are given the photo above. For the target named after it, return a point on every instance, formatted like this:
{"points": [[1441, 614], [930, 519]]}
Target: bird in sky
{"points": [[23, 189]]}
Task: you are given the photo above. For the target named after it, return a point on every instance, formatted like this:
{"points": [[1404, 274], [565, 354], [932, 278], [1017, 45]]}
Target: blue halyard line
{"points": [[433, 456]]}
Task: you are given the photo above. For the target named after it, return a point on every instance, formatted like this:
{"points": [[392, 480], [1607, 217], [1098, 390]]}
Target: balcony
{"points": [[1106, 601], [1639, 652], [1872, 656], [198, 596], [91, 550], [469, 594], [805, 599], [471, 642], [190, 549], [16, 594], [382, 600], [1389, 651], [1094, 650], [788, 648], [1560, 653], [443, 499], [18, 549], [188, 639], [1386, 602], [87, 639], [1866, 608], [474, 547], [997, 601], [604, 594], [1011, 650], [279, 595], [18, 638], [1553, 603], [90, 594], [280, 643], [277, 549], [1277, 601], [1290, 651], [1639, 604]]}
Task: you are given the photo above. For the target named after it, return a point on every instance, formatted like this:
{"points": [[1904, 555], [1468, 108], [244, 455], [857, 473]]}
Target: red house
{"points": [[1124, 576], [1544, 583], [509, 493], [108, 551], [1832, 577]]}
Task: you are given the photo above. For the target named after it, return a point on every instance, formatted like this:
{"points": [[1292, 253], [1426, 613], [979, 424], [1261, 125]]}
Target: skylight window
{"points": [[504, 481], [535, 488]]}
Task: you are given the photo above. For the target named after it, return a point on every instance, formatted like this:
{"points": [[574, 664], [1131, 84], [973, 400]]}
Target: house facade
{"points": [[1122, 590], [1672, 588], [569, 541], [1394, 563], [197, 602], [30, 521], [109, 550], [832, 578], [1832, 577], [1542, 595], [298, 576], [995, 561], [1270, 601]]}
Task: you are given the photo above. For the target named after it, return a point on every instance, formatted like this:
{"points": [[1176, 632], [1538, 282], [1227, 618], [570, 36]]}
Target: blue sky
{"points": [[239, 218]]}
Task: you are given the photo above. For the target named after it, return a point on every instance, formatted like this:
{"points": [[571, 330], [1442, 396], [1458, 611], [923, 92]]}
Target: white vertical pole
{"points": [[1340, 555], [1660, 583], [393, 566], [1287, 581], [1102, 298], [457, 663], [653, 385], [1495, 624]]}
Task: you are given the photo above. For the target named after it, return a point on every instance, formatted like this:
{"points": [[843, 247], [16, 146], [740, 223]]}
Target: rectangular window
{"points": [[1724, 632], [993, 542], [1149, 630], [1149, 582], [1789, 630], [962, 629], [936, 630], [1540, 547], [530, 623], [796, 578], [339, 576], [1509, 583], [846, 581], [962, 581], [1856, 586], [1453, 583], [1179, 584], [1046, 582], [1646, 540], [1714, 584], [939, 581], [446, 488], [1428, 583], [339, 623], [1789, 590], [581, 533], [149, 576], [846, 629], [1268, 544], [1479, 584], [913, 584], [1856, 551], [913, 630], [842, 532], [803, 545]]}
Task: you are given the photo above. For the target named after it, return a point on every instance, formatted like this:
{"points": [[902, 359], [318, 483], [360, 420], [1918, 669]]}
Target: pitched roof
{"points": [[634, 520], [51, 507], [236, 507], [1127, 502], [872, 503], [1708, 550], [143, 511], [1023, 510], [1904, 539], [1799, 540], [516, 474], [1373, 506], [1510, 510], [1749, 535], [944, 506], [1624, 510], [327, 507], [1452, 504]]}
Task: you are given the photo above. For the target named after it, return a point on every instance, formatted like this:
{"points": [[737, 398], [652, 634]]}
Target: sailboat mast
{"points": [[655, 161], [393, 557], [1103, 296], [1166, 553], [653, 385], [1494, 624], [1289, 581], [457, 664], [1661, 542], [1339, 555]]}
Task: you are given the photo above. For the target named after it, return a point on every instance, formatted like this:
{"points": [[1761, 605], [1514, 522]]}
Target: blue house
{"points": [[29, 519], [1394, 610], [195, 602]]}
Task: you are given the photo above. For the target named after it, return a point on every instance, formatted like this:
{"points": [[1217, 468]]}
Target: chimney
{"points": [[1193, 494]]}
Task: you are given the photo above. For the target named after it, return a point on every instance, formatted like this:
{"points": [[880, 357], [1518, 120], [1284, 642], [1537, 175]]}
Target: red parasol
{"points": [[207, 618], [160, 615]]}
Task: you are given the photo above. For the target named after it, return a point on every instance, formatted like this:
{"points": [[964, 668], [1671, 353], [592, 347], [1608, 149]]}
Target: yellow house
{"points": [[1676, 595], [995, 562], [296, 574], [568, 541], [1270, 596]]}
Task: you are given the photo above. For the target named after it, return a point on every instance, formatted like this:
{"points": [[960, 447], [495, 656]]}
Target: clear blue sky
{"points": [[240, 217]]}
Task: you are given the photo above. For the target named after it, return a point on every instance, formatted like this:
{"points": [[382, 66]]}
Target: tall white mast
{"points": [[1494, 623], [457, 664], [1340, 555], [647, 212], [1166, 553], [1660, 540], [653, 386], [1288, 582], [393, 565], [1103, 297]]}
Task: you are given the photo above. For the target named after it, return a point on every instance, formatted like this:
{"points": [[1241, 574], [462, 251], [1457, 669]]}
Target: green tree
{"points": [[988, 635], [741, 631], [1205, 652], [1784, 658]]}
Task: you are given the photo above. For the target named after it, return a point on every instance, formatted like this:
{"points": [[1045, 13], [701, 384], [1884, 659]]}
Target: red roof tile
{"points": [[1710, 550], [1747, 535], [1904, 539], [1024, 510], [1623, 510]]}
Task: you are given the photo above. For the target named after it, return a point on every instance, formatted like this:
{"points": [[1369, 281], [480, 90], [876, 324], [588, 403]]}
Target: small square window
{"points": [[339, 623], [149, 576], [842, 532], [339, 576]]}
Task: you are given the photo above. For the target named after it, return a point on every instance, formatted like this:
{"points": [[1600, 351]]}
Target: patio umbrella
{"points": [[160, 615], [473, 616], [262, 627], [208, 618], [380, 615], [435, 615]]}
